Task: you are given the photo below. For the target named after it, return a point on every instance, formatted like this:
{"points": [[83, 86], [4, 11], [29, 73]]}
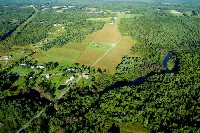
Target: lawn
{"points": [[63, 55], [17, 54], [99, 46], [21, 71]]}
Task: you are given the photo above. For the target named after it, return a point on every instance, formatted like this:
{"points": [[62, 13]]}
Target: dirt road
{"points": [[120, 38]]}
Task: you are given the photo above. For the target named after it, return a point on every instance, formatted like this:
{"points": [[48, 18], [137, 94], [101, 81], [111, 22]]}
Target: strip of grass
{"points": [[99, 46]]}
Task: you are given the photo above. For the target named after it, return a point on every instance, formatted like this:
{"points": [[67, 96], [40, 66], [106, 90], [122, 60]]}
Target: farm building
{"points": [[71, 69], [40, 67], [86, 75], [48, 76]]}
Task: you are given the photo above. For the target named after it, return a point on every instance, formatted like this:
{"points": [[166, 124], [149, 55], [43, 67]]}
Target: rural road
{"points": [[39, 114], [120, 38], [25, 126], [62, 94]]}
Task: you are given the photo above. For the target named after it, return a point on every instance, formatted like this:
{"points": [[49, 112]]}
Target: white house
{"points": [[71, 69], [40, 67], [47, 76], [86, 75], [69, 80]]}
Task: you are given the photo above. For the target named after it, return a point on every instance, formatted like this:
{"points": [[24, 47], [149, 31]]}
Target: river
{"points": [[141, 80]]}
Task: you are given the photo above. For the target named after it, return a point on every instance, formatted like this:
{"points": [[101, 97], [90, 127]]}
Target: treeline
{"points": [[17, 110], [159, 32], [11, 18], [73, 22], [76, 32]]}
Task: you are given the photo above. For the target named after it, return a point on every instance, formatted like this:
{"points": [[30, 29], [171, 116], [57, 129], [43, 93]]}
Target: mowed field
{"points": [[80, 52], [65, 55], [113, 58], [105, 39], [107, 35]]}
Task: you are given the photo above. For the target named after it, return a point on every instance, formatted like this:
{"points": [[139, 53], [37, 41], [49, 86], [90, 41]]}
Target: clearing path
{"points": [[20, 27], [118, 46]]}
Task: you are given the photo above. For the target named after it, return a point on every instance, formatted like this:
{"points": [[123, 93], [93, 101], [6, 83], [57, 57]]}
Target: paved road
{"points": [[39, 114], [120, 38], [25, 126]]}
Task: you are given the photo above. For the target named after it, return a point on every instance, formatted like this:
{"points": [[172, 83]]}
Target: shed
{"points": [[48, 76], [86, 75]]}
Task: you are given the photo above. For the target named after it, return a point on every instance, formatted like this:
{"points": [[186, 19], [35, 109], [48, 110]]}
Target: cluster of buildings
{"points": [[6, 58]]}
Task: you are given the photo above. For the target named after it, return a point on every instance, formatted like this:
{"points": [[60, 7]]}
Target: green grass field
{"points": [[64, 56], [99, 46]]}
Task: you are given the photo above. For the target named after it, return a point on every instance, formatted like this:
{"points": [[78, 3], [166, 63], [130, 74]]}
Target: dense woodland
{"points": [[11, 17], [163, 102]]}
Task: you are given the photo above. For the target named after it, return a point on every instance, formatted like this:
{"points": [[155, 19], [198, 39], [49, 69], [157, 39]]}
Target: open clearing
{"points": [[113, 58], [91, 49], [107, 35], [126, 16], [99, 46], [105, 38], [88, 57], [175, 12], [65, 55]]}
